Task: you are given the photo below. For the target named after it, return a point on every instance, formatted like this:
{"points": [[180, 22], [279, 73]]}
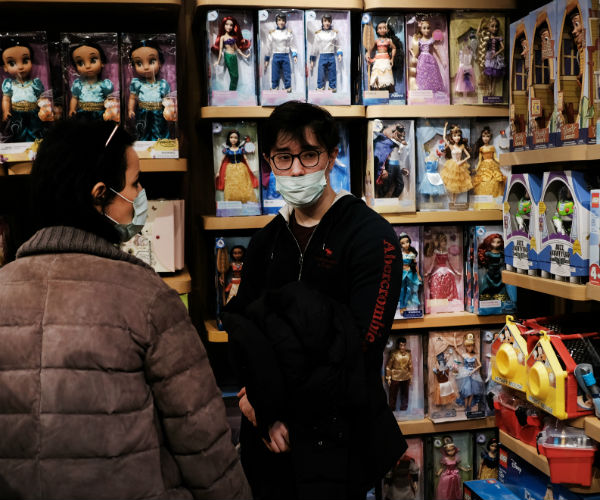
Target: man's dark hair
{"points": [[71, 160], [290, 120]]}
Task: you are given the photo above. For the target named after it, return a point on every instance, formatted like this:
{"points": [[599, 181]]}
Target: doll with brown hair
{"points": [[491, 257], [491, 52], [441, 274], [455, 173], [424, 51], [488, 178], [235, 178], [231, 279], [470, 383], [449, 485], [228, 44]]}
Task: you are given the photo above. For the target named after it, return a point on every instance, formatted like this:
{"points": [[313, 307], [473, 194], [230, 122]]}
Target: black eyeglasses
{"points": [[308, 159]]}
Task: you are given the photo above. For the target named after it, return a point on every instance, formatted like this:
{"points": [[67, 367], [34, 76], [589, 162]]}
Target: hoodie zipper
{"points": [[301, 260]]}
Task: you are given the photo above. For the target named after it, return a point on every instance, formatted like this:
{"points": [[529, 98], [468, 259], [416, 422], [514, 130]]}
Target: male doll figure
{"points": [[280, 43], [398, 374], [326, 44], [390, 147]]}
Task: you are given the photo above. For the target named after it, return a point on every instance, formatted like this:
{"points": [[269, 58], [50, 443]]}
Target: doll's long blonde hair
{"points": [[484, 37]]}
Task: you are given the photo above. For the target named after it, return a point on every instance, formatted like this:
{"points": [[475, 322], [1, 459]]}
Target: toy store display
{"points": [[160, 243], [486, 454], [411, 303], [91, 76], [382, 52], [26, 94], [487, 489], [405, 480], [443, 269], [519, 85], [477, 57], [230, 58], [148, 69], [403, 376], [520, 215], [390, 177], [328, 54], [281, 52], [451, 463], [235, 160], [517, 417], [427, 53], [229, 261]]}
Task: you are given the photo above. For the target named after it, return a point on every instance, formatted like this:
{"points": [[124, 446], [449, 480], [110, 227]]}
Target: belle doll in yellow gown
{"points": [[488, 179], [455, 174]]}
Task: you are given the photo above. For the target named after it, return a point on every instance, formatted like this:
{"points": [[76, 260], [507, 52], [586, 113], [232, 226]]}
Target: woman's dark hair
{"points": [[227, 141], [15, 42], [71, 159], [146, 43], [86, 43], [290, 121]]}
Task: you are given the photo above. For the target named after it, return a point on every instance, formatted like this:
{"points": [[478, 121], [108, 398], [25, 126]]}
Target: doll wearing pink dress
{"points": [[441, 276], [449, 485]]}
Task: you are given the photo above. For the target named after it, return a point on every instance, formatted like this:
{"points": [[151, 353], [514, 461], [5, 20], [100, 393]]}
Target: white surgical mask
{"points": [[140, 211], [303, 190]]}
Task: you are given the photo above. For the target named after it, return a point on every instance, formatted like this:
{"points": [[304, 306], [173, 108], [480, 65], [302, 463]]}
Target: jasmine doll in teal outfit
{"points": [[411, 280]]}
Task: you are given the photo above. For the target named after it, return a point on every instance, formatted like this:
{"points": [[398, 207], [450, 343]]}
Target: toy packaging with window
{"points": [[235, 160], [281, 56], [486, 454], [595, 237], [149, 76], [522, 238], [26, 94], [231, 61], [230, 252], [478, 57], [564, 221], [443, 269], [449, 463], [406, 480], [427, 59], [519, 85], [383, 53], [390, 177], [411, 304], [91, 76], [403, 376], [492, 388], [59, 108], [487, 489], [328, 56], [542, 62], [489, 139]]}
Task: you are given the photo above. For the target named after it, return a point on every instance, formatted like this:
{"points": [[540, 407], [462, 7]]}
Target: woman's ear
{"points": [[98, 193]]}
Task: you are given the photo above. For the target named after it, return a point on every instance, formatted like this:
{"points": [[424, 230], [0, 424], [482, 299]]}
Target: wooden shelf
{"points": [[552, 155], [426, 426], [592, 292], [436, 111], [290, 4], [236, 112], [213, 223], [146, 165], [443, 320], [592, 427], [545, 285], [180, 281], [214, 334], [96, 2], [440, 4]]}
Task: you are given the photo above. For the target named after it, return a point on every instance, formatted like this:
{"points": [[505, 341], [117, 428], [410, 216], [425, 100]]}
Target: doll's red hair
{"points": [[486, 245], [236, 33]]}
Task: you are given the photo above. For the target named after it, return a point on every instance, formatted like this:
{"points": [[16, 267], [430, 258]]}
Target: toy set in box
{"points": [[405, 480], [487, 489], [564, 220], [328, 51], [382, 59], [390, 176], [477, 57], [230, 69], [522, 239], [403, 376], [281, 52], [149, 73], [411, 304], [595, 236], [519, 86], [235, 161], [450, 462]]}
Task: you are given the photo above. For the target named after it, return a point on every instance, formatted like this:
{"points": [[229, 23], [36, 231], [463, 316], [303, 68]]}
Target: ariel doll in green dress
{"points": [[229, 44]]}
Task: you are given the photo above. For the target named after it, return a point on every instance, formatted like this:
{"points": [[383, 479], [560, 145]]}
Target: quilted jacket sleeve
{"points": [[189, 404]]}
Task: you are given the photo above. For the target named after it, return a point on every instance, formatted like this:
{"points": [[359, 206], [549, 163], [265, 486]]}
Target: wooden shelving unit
{"points": [[544, 285], [290, 4], [436, 111], [439, 4], [426, 426], [96, 2], [552, 155], [213, 223], [214, 334], [146, 165], [592, 292], [238, 112], [181, 281]]}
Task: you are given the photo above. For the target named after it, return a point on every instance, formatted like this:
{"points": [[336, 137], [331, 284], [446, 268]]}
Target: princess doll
{"points": [[381, 76], [444, 390], [235, 178], [423, 49], [491, 256], [233, 277], [432, 184], [465, 76], [491, 51], [489, 460], [441, 274], [455, 173], [88, 93], [231, 42], [409, 291], [20, 93], [147, 92], [488, 179], [449, 485], [470, 383]]}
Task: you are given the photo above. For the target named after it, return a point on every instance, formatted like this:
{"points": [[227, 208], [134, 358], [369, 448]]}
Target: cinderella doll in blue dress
{"points": [[411, 280], [470, 383], [432, 184]]}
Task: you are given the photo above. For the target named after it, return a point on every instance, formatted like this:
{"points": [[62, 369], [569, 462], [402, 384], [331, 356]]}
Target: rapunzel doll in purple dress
{"points": [[423, 48], [491, 52], [450, 484]]}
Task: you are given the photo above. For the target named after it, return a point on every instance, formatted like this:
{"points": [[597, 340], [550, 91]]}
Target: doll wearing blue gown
{"points": [[411, 281], [432, 183], [91, 97], [24, 124]]}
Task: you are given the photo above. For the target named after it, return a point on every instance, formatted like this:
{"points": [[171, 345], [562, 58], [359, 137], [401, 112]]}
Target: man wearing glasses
{"points": [[319, 289]]}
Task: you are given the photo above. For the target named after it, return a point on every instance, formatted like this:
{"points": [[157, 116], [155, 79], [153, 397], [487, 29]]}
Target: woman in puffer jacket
{"points": [[105, 387]]}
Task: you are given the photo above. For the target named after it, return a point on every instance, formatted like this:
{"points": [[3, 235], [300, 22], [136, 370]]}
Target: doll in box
{"points": [[398, 374], [565, 208], [411, 280], [455, 173], [441, 273], [326, 47], [231, 279], [423, 49], [432, 184], [390, 154], [405, 480], [488, 178], [465, 82], [381, 76], [470, 383], [490, 255], [228, 45], [489, 460], [491, 51], [280, 44], [449, 486], [235, 178]]}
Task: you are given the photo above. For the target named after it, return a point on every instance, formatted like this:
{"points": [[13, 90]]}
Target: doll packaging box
{"points": [[148, 69], [383, 55], [564, 221], [411, 304], [478, 57], [281, 59], [578, 65], [229, 261], [91, 76], [492, 388], [328, 56], [403, 376], [520, 223], [26, 94], [450, 463], [455, 385], [595, 236], [390, 177], [231, 62], [406, 479], [519, 85], [59, 90], [489, 139], [486, 454], [427, 59], [443, 269], [235, 160]]}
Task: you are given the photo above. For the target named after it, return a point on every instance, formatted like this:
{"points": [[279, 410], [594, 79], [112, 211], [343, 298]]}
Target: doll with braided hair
{"points": [[491, 52]]}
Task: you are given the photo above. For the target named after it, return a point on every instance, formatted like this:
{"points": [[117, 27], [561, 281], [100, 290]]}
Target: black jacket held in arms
{"points": [[343, 436]]}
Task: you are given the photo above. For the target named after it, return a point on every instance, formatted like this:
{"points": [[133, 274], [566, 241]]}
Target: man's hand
{"points": [[246, 407], [280, 438]]}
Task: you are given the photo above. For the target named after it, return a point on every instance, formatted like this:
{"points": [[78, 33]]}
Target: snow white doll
{"points": [[491, 257], [455, 173], [488, 179], [409, 291], [235, 177], [229, 44], [449, 486]]}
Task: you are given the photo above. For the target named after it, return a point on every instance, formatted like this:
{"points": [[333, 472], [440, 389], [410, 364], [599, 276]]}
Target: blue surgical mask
{"points": [[303, 190], [140, 211]]}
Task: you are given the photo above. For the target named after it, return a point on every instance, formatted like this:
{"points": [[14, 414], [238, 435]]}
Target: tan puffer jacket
{"points": [[105, 387]]}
